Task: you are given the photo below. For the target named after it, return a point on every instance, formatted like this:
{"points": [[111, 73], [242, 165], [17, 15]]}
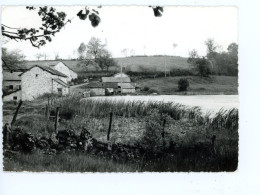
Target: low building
{"points": [[39, 80], [96, 88], [126, 88]]}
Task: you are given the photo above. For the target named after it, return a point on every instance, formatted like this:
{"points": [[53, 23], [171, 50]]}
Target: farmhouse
{"points": [[11, 86], [41, 79]]}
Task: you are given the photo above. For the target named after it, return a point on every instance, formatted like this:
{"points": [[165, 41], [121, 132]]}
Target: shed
{"points": [[96, 88], [116, 79]]}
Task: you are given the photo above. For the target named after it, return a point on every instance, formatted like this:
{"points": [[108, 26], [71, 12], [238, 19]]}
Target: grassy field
{"points": [[198, 85], [132, 123]]}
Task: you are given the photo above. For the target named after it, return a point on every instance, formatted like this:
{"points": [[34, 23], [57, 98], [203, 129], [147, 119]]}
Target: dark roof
{"points": [[48, 69], [11, 92], [61, 82], [110, 85], [95, 85], [14, 76], [115, 79]]}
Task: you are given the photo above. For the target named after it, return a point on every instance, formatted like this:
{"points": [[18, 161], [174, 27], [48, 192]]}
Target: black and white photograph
{"points": [[120, 88]]}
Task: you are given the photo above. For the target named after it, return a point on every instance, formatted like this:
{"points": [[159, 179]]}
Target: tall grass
{"points": [[73, 106], [97, 108]]}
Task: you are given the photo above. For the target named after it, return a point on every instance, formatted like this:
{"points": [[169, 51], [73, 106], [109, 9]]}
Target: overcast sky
{"points": [[134, 28]]}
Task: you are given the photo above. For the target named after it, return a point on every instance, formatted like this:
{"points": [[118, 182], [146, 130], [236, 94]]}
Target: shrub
{"points": [[183, 84], [153, 91], [92, 93], [146, 88]]}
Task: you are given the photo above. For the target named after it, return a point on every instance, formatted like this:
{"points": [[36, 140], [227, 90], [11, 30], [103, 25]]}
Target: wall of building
{"points": [[98, 91], [65, 90], [128, 90], [33, 86], [11, 97], [119, 75], [65, 70], [15, 84]]}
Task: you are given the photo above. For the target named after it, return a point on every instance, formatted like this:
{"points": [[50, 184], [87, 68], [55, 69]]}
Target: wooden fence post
{"points": [[109, 127], [16, 112], [57, 119]]}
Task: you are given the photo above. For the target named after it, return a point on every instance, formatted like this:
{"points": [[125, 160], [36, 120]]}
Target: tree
{"points": [[193, 56], [39, 56], [124, 52], [174, 45], [82, 50], [96, 54], [211, 48], [53, 22], [11, 58], [203, 67]]}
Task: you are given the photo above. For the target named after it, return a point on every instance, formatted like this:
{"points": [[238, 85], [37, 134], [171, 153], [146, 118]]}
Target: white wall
{"points": [[65, 70], [33, 86], [12, 95]]}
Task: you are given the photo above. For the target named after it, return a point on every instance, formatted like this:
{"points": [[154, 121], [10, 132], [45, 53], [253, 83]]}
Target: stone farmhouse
{"points": [[40, 79], [37, 80]]}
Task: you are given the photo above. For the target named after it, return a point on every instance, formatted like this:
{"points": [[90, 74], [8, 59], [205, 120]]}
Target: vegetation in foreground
{"points": [[190, 141]]}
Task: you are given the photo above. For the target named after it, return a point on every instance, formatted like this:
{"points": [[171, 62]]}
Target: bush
{"points": [[183, 84], [146, 88], [153, 91], [92, 93]]}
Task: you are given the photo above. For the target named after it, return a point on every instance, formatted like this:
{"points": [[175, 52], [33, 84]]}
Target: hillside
{"points": [[198, 85], [155, 63]]}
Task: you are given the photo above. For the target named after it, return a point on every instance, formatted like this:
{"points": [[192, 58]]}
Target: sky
{"points": [[131, 27]]}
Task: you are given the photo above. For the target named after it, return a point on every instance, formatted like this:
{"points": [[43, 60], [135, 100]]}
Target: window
{"points": [[18, 86], [15, 98], [11, 87], [36, 76]]}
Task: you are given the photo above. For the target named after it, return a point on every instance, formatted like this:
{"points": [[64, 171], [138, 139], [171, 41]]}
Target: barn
{"points": [[39, 80]]}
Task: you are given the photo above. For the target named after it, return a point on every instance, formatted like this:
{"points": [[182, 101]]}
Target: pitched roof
{"points": [[95, 85], [61, 82], [110, 85], [116, 79], [126, 85], [8, 76], [48, 69]]}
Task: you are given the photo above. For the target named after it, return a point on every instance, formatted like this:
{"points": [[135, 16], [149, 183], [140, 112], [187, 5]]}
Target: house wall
{"points": [[65, 90], [33, 86], [119, 75], [98, 91], [16, 84], [128, 90], [65, 70], [11, 96]]}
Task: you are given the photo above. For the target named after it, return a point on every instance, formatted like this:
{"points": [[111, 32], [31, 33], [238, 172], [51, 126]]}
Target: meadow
{"points": [[191, 141]]}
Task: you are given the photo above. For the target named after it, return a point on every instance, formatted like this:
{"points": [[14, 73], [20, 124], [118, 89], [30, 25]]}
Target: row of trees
{"points": [[221, 63]]}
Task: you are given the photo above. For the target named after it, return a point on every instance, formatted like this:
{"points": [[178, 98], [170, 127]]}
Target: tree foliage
{"points": [[95, 53], [11, 58]]}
